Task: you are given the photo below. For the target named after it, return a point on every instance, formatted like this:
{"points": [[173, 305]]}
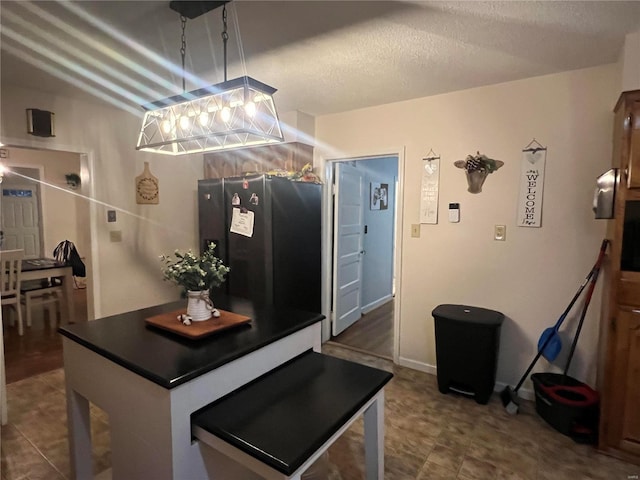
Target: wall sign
{"points": [[534, 157], [429, 188]]}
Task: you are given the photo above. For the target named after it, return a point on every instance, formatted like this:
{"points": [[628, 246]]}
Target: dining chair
{"points": [[41, 292], [10, 274]]}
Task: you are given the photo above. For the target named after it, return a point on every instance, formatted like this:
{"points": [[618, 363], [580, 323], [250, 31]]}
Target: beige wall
{"points": [[125, 275], [533, 274], [530, 277]]}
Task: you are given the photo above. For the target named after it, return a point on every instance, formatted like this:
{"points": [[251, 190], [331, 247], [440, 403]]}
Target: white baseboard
{"points": [[415, 365], [526, 394], [378, 303]]}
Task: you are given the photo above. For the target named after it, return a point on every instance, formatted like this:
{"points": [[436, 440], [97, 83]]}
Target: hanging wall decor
{"points": [[379, 195], [534, 157], [477, 168], [147, 187], [429, 188]]}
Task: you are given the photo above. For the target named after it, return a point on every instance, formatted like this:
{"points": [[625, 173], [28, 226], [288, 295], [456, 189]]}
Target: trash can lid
{"points": [[466, 313]]}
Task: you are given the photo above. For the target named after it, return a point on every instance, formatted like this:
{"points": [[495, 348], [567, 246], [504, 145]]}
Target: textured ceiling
{"points": [[323, 57]]}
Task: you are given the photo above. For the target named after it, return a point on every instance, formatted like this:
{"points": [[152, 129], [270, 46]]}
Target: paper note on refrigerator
{"points": [[242, 223]]}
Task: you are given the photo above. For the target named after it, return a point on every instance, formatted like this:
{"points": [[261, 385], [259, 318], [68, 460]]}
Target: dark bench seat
{"points": [[287, 418]]}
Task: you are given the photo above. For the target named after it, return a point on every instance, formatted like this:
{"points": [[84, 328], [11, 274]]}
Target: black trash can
{"points": [[467, 343]]}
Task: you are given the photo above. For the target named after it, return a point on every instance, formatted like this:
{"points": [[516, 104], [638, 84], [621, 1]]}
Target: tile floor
{"points": [[429, 436]]}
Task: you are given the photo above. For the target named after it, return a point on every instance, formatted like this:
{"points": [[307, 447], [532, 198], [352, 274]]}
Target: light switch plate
{"points": [[500, 233], [415, 230], [454, 212], [115, 236]]}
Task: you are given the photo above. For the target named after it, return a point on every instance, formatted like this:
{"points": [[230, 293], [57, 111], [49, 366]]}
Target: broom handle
{"points": [[538, 355], [572, 302], [592, 286]]}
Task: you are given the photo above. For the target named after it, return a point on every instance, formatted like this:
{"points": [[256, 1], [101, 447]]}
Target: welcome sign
{"points": [[531, 187]]}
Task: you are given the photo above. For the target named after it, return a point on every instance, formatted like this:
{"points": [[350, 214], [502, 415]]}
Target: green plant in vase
{"points": [[197, 275]]}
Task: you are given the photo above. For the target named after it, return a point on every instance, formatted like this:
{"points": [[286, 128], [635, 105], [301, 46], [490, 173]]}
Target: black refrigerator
{"points": [[268, 231]]}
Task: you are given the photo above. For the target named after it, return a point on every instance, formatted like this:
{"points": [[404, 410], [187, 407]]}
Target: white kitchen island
{"points": [[150, 381]]}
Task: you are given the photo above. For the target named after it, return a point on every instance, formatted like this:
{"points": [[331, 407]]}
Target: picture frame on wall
{"points": [[379, 196]]}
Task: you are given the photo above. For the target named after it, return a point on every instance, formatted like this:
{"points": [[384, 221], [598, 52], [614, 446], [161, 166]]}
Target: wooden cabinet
{"points": [[627, 138], [280, 156], [620, 374], [624, 429]]}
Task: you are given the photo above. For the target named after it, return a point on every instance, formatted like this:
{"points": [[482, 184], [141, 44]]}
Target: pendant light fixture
{"points": [[231, 114]]}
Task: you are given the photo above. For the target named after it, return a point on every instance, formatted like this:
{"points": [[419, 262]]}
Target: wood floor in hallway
{"points": [[39, 350], [372, 334]]}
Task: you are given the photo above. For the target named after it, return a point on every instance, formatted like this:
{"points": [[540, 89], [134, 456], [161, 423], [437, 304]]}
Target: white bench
{"points": [[280, 424]]}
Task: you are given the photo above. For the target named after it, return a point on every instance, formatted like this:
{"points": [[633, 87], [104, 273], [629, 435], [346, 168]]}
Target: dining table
{"points": [[48, 268]]}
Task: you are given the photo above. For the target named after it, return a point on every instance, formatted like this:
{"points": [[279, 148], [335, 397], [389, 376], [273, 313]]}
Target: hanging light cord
{"points": [[183, 47], [225, 37]]}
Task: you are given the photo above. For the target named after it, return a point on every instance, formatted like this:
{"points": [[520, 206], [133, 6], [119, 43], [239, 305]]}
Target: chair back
{"points": [[10, 272]]}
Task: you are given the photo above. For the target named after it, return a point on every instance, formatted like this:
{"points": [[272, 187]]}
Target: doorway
{"points": [[58, 211], [362, 212]]}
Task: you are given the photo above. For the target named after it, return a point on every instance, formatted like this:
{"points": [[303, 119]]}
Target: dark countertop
{"points": [[283, 417], [170, 360]]}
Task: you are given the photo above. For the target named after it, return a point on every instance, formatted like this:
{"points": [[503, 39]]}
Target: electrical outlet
{"points": [[415, 230], [500, 232], [115, 235]]}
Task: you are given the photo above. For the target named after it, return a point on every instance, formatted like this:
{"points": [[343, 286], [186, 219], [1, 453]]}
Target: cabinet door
{"points": [[282, 156], [220, 165], [633, 169], [624, 431]]}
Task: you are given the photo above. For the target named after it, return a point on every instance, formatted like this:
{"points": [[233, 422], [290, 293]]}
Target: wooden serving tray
{"points": [[169, 321]]}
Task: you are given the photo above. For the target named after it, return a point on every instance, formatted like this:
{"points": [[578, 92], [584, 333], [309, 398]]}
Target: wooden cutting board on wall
{"points": [[147, 187]]}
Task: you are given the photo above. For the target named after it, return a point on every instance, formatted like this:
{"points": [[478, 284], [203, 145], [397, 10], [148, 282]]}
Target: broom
{"points": [[509, 396]]}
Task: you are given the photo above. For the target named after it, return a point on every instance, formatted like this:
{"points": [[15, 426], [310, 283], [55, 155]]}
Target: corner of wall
{"points": [[298, 126], [631, 62]]}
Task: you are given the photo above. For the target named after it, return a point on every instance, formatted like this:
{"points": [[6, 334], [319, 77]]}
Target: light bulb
{"points": [[250, 108], [184, 122], [166, 126], [225, 114], [203, 118]]}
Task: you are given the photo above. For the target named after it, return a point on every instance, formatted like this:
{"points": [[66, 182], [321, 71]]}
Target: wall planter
{"points": [[477, 168]]}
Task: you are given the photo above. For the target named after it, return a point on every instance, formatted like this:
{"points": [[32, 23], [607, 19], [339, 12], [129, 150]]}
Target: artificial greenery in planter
{"points": [[477, 167], [193, 272], [73, 180]]}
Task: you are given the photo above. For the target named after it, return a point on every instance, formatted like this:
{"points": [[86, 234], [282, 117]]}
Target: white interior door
{"points": [[20, 219], [347, 246]]}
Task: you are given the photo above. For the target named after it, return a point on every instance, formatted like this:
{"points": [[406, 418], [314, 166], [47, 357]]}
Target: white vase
{"points": [[199, 306]]}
